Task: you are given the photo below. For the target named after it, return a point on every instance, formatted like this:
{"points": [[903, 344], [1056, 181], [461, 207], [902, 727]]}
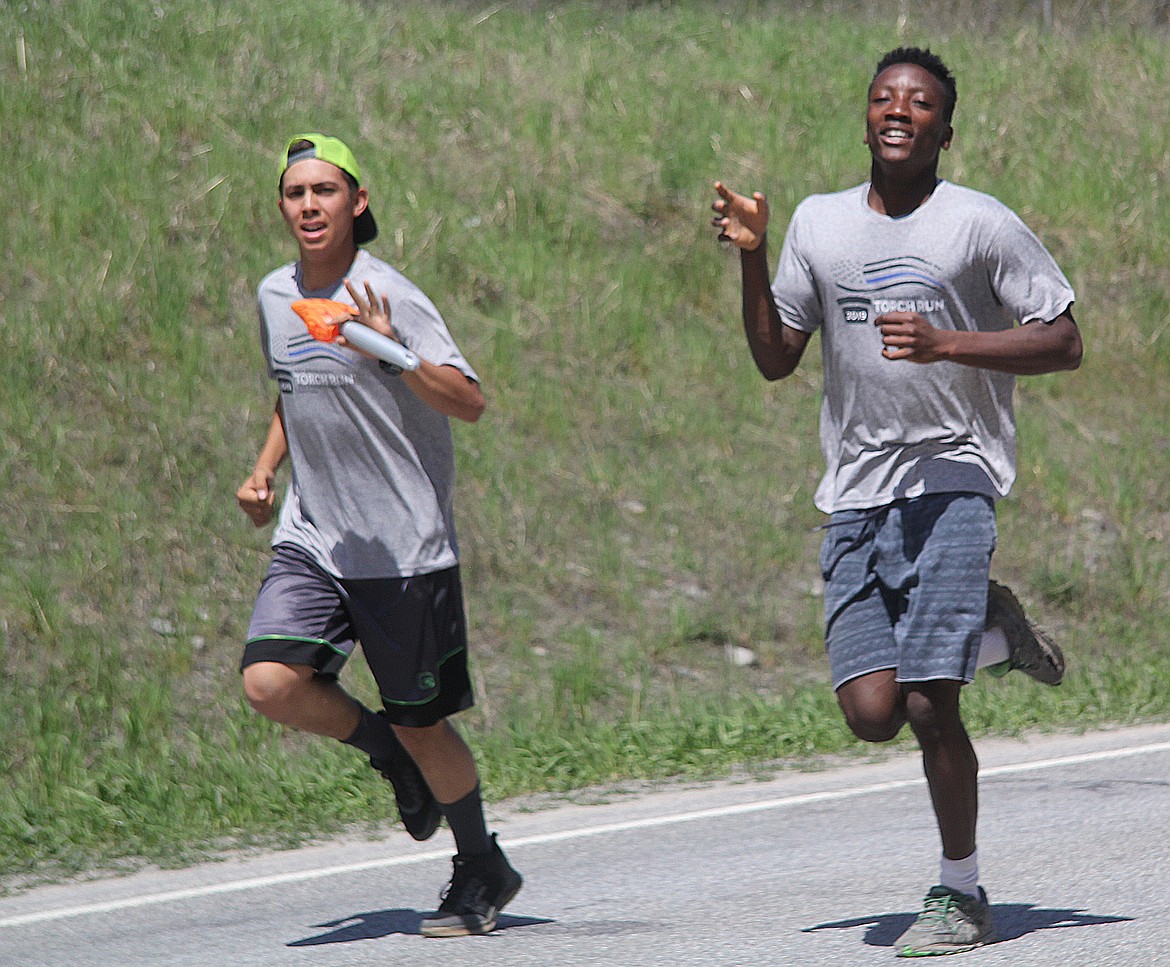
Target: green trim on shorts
{"points": [[437, 681], [308, 641]]}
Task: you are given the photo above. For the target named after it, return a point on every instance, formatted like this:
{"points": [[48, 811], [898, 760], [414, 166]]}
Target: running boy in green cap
{"points": [[365, 547]]}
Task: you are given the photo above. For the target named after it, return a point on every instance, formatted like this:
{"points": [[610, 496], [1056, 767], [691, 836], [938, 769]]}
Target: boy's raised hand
{"points": [[372, 312], [741, 220]]}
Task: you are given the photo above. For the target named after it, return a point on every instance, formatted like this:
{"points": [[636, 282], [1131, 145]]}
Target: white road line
{"points": [[260, 882]]}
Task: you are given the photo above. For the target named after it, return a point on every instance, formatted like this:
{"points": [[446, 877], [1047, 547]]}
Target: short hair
{"points": [[928, 61]]}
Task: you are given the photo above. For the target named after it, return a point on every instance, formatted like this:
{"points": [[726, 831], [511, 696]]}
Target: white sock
{"points": [[993, 649], [961, 875]]}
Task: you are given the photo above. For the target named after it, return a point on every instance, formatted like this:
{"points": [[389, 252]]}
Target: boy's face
{"points": [[905, 128], [319, 206]]}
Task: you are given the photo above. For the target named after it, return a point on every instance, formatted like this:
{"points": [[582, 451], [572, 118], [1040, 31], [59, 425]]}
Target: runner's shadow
{"points": [[383, 923], [1012, 921]]}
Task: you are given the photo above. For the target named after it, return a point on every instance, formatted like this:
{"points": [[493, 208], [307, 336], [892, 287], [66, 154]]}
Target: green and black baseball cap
{"points": [[336, 152]]}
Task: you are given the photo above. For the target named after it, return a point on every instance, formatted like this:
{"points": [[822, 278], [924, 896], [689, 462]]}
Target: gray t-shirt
{"points": [[893, 429], [373, 467]]}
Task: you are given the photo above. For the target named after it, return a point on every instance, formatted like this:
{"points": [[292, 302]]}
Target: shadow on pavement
{"points": [[383, 923], [1012, 921]]}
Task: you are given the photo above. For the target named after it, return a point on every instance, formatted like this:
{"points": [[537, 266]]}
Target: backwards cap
{"points": [[337, 153]]}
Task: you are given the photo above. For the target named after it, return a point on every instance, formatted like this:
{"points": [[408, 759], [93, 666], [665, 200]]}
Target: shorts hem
{"points": [[901, 680], [851, 676], [453, 693], [291, 650], [424, 716], [298, 639], [962, 679]]}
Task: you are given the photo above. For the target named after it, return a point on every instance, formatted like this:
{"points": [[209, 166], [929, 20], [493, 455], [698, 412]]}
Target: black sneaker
{"points": [[416, 803], [480, 887]]}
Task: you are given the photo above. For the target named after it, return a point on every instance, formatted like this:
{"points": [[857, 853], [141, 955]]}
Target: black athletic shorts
{"points": [[412, 632]]}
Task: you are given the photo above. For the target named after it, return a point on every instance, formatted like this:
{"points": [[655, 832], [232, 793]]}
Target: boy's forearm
{"points": [[275, 448], [771, 345], [448, 390], [1028, 350]]}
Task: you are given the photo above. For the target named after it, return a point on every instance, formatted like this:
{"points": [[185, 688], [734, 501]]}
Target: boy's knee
{"points": [[873, 729], [873, 715], [271, 687], [932, 717]]}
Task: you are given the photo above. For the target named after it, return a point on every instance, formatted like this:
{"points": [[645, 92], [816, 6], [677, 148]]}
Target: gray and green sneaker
{"points": [[950, 923], [1031, 650]]}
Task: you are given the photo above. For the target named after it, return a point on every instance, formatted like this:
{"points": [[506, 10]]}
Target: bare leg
{"points": [[874, 706], [443, 758], [949, 760], [294, 695]]}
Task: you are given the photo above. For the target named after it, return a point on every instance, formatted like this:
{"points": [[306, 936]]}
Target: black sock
{"points": [[465, 817], [373, 736]]}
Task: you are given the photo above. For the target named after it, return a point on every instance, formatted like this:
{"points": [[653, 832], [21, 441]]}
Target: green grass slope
{"points": [[636, 500]]}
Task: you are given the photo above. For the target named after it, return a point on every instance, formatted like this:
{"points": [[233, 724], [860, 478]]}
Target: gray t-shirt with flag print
{"points": [[896, 429], [373, 467]]}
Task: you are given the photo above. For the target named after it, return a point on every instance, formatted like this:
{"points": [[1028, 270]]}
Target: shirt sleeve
{"points": [[794, 287], [423, 331], [265, 340], [1023, 274]]}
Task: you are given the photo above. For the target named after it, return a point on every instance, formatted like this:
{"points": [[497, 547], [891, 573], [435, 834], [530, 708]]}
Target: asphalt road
{"points": [[806, 868]]}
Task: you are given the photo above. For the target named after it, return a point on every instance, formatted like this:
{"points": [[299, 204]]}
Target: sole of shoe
{"points": [[943, 951], [467, 925]]}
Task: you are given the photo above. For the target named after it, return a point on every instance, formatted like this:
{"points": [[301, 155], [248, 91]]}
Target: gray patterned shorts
{"points": [[906, 587]]}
